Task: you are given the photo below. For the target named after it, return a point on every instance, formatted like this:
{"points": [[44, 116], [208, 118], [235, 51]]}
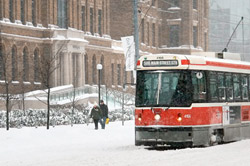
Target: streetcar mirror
{"points": [[199, 75]]}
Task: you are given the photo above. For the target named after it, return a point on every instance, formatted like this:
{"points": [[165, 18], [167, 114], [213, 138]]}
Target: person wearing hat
{"points": [[105, 110], [96, 114]]}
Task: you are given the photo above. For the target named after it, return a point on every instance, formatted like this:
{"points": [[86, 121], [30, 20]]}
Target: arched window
{"points": [[25, 64], [14, 63], [62, 13], [23, 11], [36, 66], [34, 12], [94, 70], [11, 10], [103, 71]]}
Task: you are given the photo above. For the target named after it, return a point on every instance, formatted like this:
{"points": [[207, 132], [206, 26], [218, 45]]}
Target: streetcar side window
{"points": [[229, 87], [249, 86], [199, 86], [221, 87], [244, 86], [236, 86], [213, 87]]}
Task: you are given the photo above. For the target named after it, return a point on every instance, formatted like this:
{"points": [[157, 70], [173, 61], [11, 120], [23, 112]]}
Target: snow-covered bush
{"points": [[58, 116]]}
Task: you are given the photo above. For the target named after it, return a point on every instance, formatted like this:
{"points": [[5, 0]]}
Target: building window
{"points": [[205, 9], [159, 36], [100, 22], [25, 65], [153, 2], [142, 31], [14, 63], [91, 21], [195, 36], [1, 63], [34, 12], [119, 74], [75, 66], [175, 3], [102, 71], [83, 18], [86, 69], [11, 10], [62, 13], [112, 74], [194, 4], [23, 11], [94, 70], [148, 32], [125, 75], [1, 10], [61, 62], [36, 66], [174, 36], [153, 34]]}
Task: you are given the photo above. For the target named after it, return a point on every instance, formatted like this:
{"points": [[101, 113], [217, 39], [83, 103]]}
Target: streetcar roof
{"points": [[192, 62]]}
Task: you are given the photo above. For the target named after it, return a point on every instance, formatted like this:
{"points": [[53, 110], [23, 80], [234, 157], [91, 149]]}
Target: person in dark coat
{"points": [[96, 114], [105, 111]]}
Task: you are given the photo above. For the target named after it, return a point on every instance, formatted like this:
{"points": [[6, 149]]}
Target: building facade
{"points": [[68, 38], [165, 26]]}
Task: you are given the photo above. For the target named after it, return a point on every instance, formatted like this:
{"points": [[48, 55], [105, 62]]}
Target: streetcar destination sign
{"points": [[159, 63]]}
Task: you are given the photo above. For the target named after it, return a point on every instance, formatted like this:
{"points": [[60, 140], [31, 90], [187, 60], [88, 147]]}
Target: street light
{"points": [[99, 68]]}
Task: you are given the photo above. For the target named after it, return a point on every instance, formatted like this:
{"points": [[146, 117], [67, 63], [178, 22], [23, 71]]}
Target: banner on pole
{"points": [[128, 45]]}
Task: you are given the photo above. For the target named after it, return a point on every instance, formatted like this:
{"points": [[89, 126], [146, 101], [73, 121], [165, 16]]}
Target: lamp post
{"points": [[99, 68]]}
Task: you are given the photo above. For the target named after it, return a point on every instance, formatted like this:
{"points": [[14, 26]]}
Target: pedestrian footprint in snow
{"points": [[96, 114]]}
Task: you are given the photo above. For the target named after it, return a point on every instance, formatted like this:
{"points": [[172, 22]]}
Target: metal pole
{"points": [[136, 33], [99, 68], [123, 90], [99, 86]]}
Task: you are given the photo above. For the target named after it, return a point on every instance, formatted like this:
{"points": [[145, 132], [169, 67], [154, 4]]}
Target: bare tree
{"points": [[49, 63], [7, 76]]}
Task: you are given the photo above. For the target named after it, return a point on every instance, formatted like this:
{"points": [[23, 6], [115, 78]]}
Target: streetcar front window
{"points": [[164, 88]]}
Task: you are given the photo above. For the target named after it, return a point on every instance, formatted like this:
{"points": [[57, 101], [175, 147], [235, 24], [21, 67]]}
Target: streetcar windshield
{"points": [[164, 88]]}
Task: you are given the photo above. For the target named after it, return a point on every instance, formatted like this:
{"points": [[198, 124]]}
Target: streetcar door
{"points": [[226, 116]]}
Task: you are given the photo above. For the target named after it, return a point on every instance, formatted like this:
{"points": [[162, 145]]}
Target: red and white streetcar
{"points": [[188, 100]]}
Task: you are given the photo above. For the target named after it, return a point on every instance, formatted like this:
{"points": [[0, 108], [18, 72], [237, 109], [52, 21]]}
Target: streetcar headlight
{"points": [[139, 117], [157, 117], [179, 118]]}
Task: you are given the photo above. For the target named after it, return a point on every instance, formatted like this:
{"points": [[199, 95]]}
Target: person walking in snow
{"points": [[96, 114], [105, 110]]}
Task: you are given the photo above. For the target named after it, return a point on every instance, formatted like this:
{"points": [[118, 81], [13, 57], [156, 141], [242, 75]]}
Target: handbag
{"points": [[107, 121]]}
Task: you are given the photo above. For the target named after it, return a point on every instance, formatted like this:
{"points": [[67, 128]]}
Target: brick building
{"points": [[165, 26], [79, 34]]}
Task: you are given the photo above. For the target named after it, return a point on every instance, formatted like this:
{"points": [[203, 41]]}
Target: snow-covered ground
{"points": [[81, 145]]}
